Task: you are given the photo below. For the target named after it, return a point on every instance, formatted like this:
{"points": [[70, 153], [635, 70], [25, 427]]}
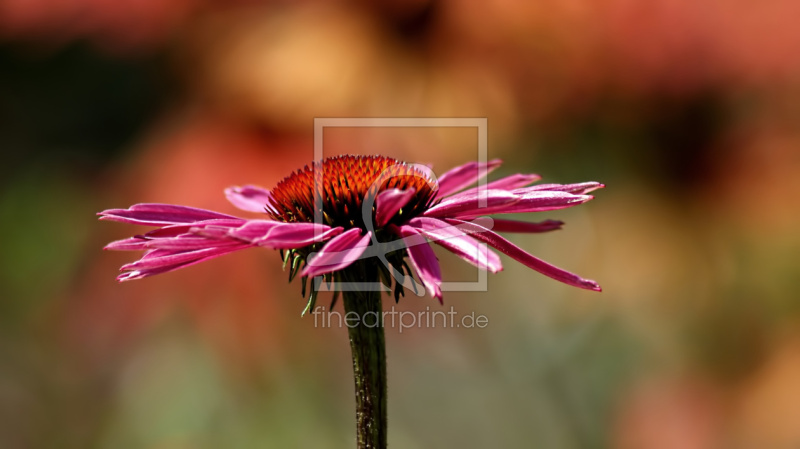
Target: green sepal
{"points": [[385, 276], [295, 267], [398, 292], [335, 298], [286, 256], [312, 298], [413, 281]]}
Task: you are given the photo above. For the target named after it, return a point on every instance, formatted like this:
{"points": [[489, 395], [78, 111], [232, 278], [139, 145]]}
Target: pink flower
{"points": [[335, 221]]}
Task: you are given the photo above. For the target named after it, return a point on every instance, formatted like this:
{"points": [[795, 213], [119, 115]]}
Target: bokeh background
{"points": [[688, 111]]}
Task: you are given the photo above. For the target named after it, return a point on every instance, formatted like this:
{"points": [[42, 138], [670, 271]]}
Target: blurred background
{"points": [[688, 111]]}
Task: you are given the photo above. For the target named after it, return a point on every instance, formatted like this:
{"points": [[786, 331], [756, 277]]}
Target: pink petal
{"points": [[467, 203], [254, 230], [141, 274], [297, 235], [164, 268], [513, 181], [524, 226], [189, 243], [129, 244], [389, 202], [509, 183], [530, 202], [213, 233], [464, 176], [178, 229], [161, 257], [248, 198], [151, 214], [423, 260], [458, 242], [526, 259], [340, 252], [577, 189]]}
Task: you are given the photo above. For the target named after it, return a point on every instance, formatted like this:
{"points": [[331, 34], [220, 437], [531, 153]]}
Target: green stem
{"points": [[369, 365]]}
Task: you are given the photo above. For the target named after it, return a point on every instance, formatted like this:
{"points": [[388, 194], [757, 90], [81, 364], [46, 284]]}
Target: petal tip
{"points": [[591, 285], [129, 276]]}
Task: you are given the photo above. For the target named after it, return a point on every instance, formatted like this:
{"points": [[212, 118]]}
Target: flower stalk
{"points": [[364, 319]]}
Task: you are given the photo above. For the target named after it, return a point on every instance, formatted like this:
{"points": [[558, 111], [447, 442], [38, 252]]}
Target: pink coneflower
{"points": [[333, 220], [406, 208]]}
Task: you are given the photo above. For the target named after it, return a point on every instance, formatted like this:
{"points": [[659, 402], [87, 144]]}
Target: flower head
{"points": [[335, 218]]}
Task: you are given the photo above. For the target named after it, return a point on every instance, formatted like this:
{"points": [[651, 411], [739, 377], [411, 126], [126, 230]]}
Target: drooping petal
{"points": [[467, 204], [182, 237], [458, 242], [176, 263], [513, 181], [547, 200], [524, 258], [580, 188], [389, 202], [141, 274], [423, 260], [214, 233], [340, 252], [179, 229], [152, 214], [254, 230], [190, 242], [524, 226], [162, 257], [529, 202], [129, 244], [297, 235], [178, 245], [464, 176], [248, 198]]}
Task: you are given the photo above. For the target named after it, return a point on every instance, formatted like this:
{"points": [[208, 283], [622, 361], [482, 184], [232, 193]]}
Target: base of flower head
{"points": [[390, 275]]}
